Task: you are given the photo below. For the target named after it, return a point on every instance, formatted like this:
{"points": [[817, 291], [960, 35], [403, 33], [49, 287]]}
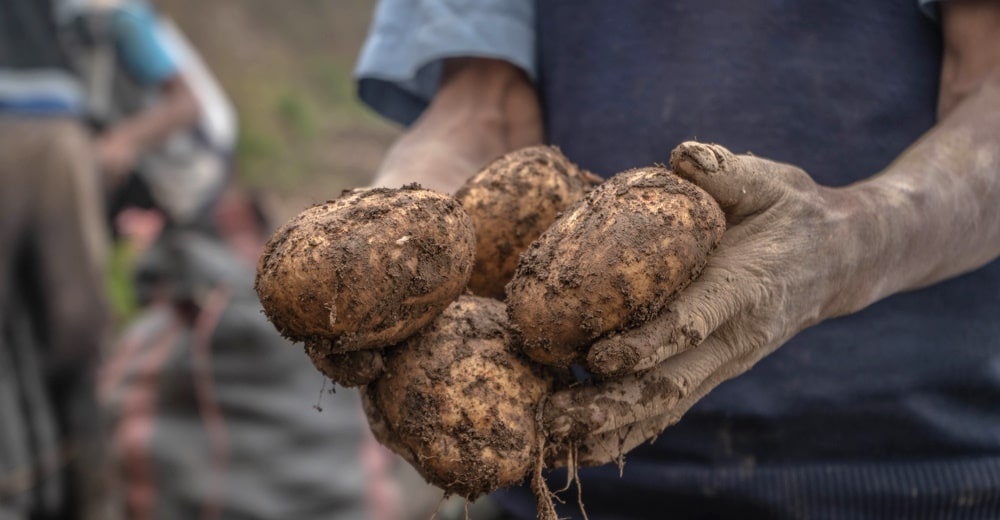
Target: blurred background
{"points": [[303, 135]]}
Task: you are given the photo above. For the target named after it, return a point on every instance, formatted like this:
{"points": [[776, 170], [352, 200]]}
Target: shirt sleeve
{"points": [[400, 64], [140, 45]]}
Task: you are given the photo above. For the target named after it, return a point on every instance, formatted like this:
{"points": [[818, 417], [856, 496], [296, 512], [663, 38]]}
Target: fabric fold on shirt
{"points": [[400, 65]]}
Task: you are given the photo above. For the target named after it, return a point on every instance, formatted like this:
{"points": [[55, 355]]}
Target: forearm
{"points": [[483, 109], [932, 214], [177, 109], [492, 95], [934, 211]]}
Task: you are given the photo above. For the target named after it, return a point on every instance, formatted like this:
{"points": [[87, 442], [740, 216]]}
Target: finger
{"points": [[601, 449], [719, 294], [743, 185], [611, 446], [590, 410]]}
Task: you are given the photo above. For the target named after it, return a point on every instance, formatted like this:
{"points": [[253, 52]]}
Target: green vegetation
{"points": [[119, 283], [294, 110]]}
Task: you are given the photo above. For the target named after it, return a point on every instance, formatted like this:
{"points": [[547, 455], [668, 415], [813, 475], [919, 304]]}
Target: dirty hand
{"points": [[789, 258]]}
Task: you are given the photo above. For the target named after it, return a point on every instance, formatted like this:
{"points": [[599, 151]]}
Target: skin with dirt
{"points": [[512, 202], [612, 262], [367, 270], [458, 403]]}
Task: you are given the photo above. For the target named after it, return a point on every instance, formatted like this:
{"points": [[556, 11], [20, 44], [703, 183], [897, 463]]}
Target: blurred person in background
{"points": [[53, 237], [149, 156], [876, 261], [214, 414], [211, 411]]}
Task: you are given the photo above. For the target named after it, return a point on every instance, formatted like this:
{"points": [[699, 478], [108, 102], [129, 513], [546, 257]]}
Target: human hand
{"points": [[116, 156], [790, 257]]}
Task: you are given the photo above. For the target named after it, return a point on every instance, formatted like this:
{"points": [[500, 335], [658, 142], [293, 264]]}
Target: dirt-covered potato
{"points": [[457, 403], [366, 270], [612, 261], [511, 202]]}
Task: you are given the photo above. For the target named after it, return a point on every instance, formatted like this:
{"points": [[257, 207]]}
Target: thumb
{"points": [[743, 185]]}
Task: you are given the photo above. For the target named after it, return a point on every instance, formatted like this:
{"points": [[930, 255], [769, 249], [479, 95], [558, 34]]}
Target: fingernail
{"points": [[694, 155]]}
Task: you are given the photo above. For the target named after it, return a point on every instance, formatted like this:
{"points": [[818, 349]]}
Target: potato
{"points": [[511, 202], [349, 369], [612, 261], [457, 403], [366, 270]]}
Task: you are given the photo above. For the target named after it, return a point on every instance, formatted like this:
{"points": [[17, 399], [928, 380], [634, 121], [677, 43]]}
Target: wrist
{"points": [[880, 218]]}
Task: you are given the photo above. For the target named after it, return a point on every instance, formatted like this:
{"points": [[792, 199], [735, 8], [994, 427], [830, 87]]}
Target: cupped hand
{"points": [[787, 261]]}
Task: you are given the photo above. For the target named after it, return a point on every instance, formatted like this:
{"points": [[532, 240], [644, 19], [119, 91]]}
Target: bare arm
{"points": [[936, 206], [483, 109], [971, 51]]}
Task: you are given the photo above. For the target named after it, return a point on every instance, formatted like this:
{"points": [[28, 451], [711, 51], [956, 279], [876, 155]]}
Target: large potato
{"points": [[366, 270], [511, 202], [612, 261], [457, 403]]}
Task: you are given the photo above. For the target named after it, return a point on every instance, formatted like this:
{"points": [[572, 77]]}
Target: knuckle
{"points": [[683, 384]]}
